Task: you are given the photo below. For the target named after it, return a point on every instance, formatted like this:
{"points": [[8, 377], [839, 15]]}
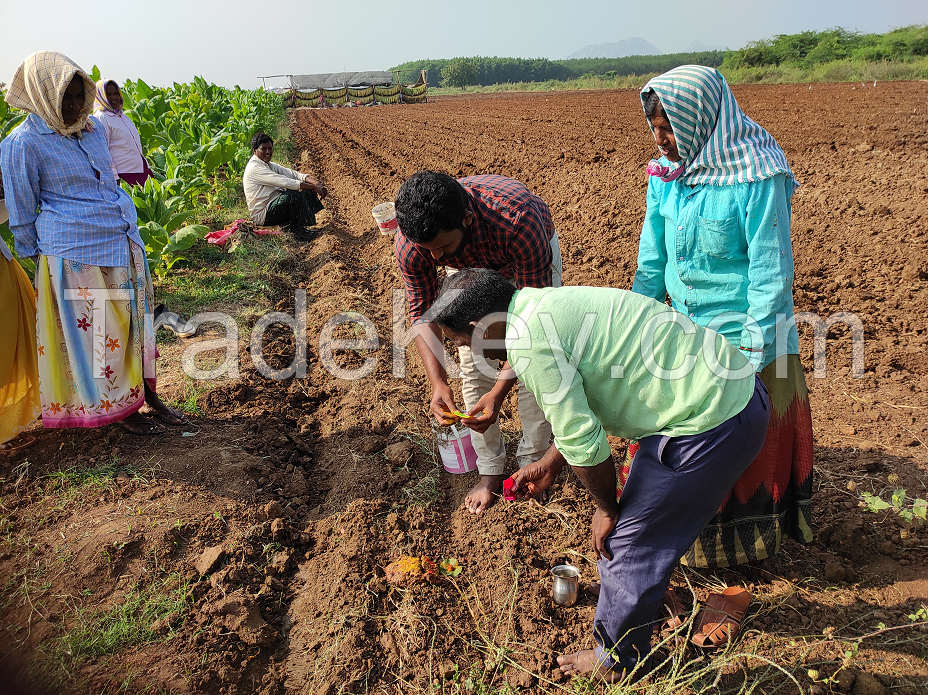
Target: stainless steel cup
{"points": [[566, 584]]}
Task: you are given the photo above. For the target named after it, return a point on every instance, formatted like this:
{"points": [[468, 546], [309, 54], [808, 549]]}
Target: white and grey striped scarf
{"points": [[719, 144]]}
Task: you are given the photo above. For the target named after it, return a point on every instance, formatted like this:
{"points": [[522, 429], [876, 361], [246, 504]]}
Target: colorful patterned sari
{"points": [[773, 497], [19, 378], [95, 340]]}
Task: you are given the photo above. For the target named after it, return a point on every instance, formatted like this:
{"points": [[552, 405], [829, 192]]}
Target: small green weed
{"points": [[74, 478], [268, 550], [186, 400], [126, 623], [910, 509]]}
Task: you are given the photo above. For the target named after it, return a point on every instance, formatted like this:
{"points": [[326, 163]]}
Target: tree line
{"points": [[805, 49], [484, 70], [810, 48]]}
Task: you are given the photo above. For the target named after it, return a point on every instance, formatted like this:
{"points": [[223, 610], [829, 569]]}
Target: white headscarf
{"points": [[39, 86]]}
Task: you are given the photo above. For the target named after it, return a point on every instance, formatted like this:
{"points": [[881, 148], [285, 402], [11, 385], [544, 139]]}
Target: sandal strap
{"points": [[710, 633], [720, 619], [725, 605], [672, 610]]}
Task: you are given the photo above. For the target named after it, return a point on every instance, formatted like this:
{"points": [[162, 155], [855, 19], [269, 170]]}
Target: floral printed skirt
{"points": [[95, 340]]}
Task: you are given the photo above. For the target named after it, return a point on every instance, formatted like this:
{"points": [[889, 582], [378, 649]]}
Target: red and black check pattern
{"points": [[511, 233]]}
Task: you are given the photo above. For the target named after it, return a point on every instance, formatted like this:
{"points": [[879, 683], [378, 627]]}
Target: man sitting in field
{"points": [[606, 361], [476, 222]]}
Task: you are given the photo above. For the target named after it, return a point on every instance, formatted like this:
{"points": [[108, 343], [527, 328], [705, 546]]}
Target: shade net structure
{"points": [[354, 89], [337, 80]]}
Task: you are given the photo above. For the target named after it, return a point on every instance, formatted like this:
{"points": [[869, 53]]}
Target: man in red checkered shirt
{"points": [[476, 222]]}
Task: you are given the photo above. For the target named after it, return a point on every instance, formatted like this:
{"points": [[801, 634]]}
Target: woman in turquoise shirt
{"points": [[716, 239]]}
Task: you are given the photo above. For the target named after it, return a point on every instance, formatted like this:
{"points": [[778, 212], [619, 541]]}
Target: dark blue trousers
{"points": [[293, 209], [675, 486]]}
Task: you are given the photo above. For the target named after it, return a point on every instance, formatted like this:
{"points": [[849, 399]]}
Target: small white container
{"points": [[457, 452], [385, 215]]}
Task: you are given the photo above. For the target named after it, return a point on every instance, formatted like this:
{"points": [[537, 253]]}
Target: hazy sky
{"points": [[232, 42]]}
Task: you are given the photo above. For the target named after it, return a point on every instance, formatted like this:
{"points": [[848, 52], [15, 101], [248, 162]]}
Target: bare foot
{"points": [[139, 424], [586, 663], [483, 494]]}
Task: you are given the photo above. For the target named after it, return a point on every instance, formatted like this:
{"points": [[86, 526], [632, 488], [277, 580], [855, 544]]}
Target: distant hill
{"points": [[632, 46], [700, 47]]}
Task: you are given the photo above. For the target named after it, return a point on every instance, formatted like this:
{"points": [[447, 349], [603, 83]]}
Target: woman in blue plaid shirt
{"points": [[96, 347]]}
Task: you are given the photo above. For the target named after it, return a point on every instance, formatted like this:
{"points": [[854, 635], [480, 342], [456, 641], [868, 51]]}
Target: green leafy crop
{"points": [[899, 502]]}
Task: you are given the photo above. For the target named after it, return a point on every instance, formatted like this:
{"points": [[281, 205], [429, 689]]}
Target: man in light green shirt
{"points": [[605, 361], [580, 351]]}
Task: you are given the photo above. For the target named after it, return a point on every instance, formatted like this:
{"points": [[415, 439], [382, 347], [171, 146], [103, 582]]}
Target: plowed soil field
{"points": [[270, 520]]}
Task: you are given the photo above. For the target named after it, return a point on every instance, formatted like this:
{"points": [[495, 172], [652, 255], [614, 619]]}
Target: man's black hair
{"points": [[259, 139], [471, 295], [430, 202], [652, 105]]}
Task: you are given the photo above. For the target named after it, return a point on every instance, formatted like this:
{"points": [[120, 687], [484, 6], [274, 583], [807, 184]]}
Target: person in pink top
{"points": [[121, 133]]}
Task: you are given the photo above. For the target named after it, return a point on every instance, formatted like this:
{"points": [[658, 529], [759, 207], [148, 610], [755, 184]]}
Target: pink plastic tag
{"points": [[508, 495]]}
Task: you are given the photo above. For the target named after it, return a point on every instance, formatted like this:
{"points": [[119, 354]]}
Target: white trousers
{"points": [[536, 432]]}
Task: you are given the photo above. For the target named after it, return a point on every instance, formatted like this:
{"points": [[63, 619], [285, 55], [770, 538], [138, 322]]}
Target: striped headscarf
{"points": [[101, 101], [719, 145], [39, 86]]}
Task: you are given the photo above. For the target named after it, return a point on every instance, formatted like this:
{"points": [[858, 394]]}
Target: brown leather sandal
{"points": [[672, 611], [720, 619]]}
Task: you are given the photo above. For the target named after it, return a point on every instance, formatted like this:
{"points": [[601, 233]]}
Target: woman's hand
{"points": [[601, 528]]}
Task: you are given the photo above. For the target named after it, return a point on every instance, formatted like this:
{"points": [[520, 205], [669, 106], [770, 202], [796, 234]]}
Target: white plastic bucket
{"points": [[385, 214], [457, 452]]}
